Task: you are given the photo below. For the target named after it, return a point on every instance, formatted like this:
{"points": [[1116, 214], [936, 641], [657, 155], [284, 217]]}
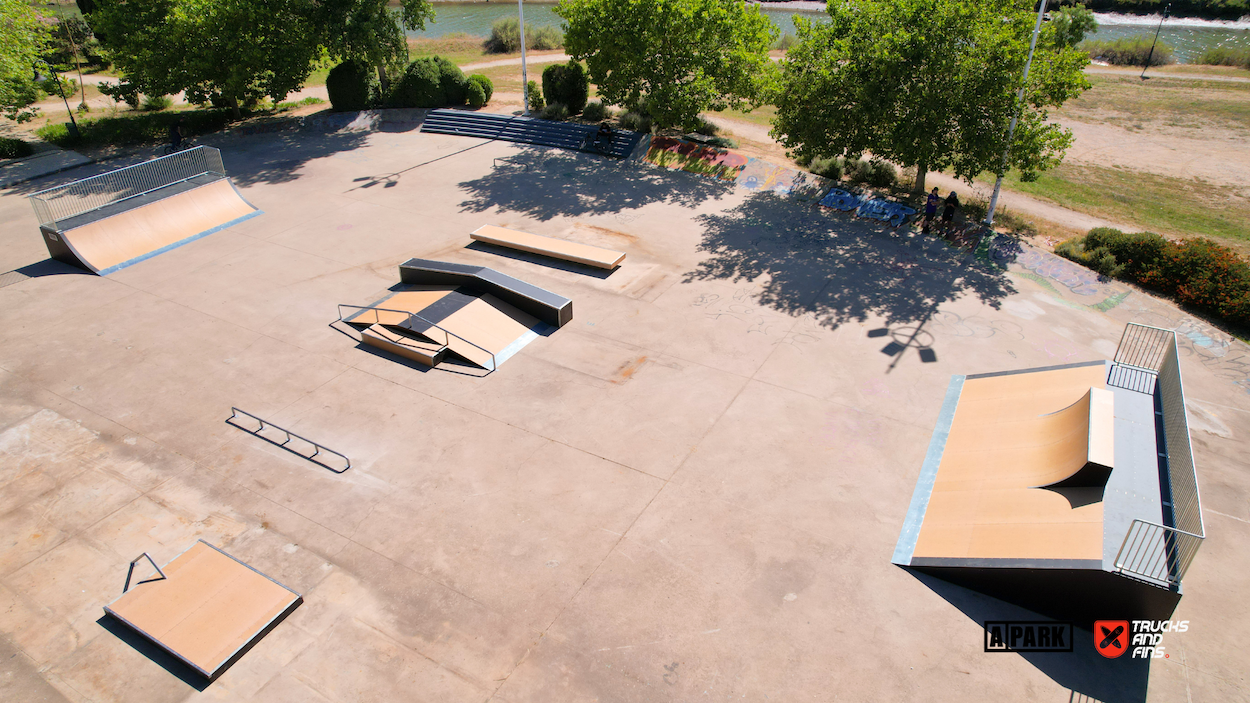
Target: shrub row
{"points": [[1196, 272], [429, 81], [1129, 52], [505, 37], [14, 148], [137, 128], [873, 172], [1226, 56]]}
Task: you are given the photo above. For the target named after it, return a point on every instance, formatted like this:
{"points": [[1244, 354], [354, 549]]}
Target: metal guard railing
{"points": [[1161, 553], [318, 448], [447, 334], [1157, 553], [60, 203]]}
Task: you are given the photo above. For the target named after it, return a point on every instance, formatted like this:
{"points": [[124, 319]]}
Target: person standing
{"points": [[930, 210], [948, 212]]}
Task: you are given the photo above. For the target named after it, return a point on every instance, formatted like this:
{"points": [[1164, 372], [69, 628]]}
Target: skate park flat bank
{"points": [[690, 489]]}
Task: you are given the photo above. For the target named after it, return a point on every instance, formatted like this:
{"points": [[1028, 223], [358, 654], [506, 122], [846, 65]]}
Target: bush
{"points": [[487, 86], [544, 39], [705, 127], [455, 85], [636, 121], [1197, 272], [420, 85], [876, 173], [596, 112], [555, 111], [352, 86], [1225, 56], [568, 85], [14, 148], [156, 103], [49, 86], [477, 95], [535, 97], [137, 128], [830, 167], [1129, 51], [786, 41], [505, 36]]}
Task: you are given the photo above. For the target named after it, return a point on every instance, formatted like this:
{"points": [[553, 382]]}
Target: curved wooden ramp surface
{"points": [[1009, 435], [114, 242]]}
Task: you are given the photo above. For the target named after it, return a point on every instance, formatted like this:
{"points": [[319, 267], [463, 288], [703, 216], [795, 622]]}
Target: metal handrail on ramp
{"points": [[1157, 553], [494, 364], [318, 448]]}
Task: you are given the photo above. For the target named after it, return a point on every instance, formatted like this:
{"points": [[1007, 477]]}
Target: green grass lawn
{"points": [[762, 115], [1129, 101], [1174, 206]]}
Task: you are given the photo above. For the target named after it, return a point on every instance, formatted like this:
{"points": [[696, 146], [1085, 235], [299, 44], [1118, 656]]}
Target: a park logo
{"points": [[1111, 637], [1028, 636]]}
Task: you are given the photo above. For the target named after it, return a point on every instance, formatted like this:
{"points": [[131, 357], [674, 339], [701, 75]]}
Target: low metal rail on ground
{"points": [[318, 448]]}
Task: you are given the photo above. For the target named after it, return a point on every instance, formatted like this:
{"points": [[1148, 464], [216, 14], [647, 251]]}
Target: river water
{"points": [[1188, 37]]}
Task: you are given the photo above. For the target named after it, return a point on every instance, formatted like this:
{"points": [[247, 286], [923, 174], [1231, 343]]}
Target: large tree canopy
{"points": [[681, 56], [368, 31], [928, 83], [230, 49], [24, 34]]}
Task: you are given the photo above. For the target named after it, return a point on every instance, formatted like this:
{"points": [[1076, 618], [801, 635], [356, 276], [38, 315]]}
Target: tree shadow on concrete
{"points": [[277, 157], [1083, 671], [811, 260], [547, 183]]}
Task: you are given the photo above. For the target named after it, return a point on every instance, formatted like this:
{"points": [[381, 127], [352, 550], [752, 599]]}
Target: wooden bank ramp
{"points": [[207, 609], [130, 231], [426, 323], [548, 246]]}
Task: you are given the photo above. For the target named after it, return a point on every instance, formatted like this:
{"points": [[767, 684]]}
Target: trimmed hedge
{"points": [[1196, 272], [137, 128], [430, 81], [535, 97], [487, 86], [477, 95], [14, 148], [568, 85], [352, 86]]}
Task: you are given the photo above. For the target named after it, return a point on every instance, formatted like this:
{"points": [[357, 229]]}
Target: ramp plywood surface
{"points": [[207, 608], [1011, 433], [548, 246], [488, 323], [409, 301], [115, 241]]}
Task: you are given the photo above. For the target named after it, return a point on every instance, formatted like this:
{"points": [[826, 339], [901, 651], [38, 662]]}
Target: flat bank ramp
{"points": [[208, 608], [549, 246], [110, 239]]}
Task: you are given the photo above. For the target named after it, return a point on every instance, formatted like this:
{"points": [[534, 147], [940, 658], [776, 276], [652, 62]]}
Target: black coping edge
{"points": [[553, 309]]}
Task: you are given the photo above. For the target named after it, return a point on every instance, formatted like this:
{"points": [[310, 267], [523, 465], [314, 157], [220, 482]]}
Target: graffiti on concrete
{"points": [[761, 176], [696, 158], [894, 213]]}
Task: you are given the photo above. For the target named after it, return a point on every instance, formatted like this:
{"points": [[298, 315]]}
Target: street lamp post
{"points": [[525, 84], [1011, 130], [73, 124]]}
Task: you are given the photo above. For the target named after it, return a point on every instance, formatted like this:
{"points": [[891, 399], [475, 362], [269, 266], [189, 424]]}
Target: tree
{"points": [[680, 56], [24, 35], [367, 31], [927, 83], [225, 50]]}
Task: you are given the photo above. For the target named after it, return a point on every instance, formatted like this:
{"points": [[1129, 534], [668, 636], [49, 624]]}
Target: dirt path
{"points": [[1017, 202], [1220, 157], [540, 58]]}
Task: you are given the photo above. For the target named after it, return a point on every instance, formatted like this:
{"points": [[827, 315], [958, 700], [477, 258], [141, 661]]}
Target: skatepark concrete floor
{"points": [[690, 492]]}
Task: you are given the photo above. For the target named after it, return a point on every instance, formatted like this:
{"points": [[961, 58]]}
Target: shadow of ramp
{"points": [[841, 270], [155, 653], [1086, 673]]}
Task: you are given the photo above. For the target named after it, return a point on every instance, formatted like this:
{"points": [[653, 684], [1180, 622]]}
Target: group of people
{"points": [[931, 207]]}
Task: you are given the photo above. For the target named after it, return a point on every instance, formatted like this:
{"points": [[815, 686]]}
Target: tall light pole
{"points": [[525, 84], [1151, 56], [1011, 130], [73, 124]]}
